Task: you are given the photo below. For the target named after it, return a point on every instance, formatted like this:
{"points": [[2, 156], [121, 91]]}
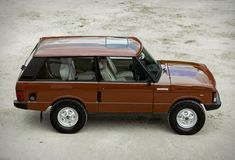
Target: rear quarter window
{"points": [[32, 69], [68, 69]]}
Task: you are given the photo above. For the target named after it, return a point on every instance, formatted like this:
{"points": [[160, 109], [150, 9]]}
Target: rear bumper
{"points": [[215, 105], [21, 105]]}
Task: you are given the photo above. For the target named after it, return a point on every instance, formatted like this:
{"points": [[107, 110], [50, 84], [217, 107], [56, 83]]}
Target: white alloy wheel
{"points": [[186, 118], [67, 117]]}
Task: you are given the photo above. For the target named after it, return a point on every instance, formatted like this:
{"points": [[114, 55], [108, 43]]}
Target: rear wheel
{"points": [[68, 116], [187, 117]]}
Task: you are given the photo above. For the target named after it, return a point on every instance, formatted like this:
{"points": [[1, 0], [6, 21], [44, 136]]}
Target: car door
{"points": [[124, 91]]}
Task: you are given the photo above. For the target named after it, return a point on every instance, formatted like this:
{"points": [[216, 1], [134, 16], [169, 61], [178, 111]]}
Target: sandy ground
{"points": [[201, 31]]}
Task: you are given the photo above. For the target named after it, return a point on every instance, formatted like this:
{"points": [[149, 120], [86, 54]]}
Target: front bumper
{"points": [[214, 105], [21, 105]]}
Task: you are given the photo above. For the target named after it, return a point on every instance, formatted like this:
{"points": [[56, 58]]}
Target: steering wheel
{"points": [[141, 56]]}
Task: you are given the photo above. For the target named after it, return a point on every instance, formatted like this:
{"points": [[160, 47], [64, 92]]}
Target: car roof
{"points": [[63, 46]]}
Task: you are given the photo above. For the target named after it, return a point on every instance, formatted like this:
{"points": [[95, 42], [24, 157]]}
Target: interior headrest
{"points": [[66, 60], [102, 63]]}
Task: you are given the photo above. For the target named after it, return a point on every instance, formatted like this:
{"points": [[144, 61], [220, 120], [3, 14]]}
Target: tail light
{"points": [[20, 95]]}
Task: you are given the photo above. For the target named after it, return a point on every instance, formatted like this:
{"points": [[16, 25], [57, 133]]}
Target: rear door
{"points": [[126, 90]]}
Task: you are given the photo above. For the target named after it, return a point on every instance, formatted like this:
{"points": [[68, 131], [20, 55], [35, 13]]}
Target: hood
{"points": [[190, 74]]}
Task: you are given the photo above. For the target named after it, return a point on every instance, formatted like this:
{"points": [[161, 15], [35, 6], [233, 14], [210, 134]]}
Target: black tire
{"points": [[74, 106], [191, 105]]}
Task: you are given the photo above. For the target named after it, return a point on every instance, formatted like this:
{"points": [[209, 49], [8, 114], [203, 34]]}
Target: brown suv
{"points": [[77, 75]]}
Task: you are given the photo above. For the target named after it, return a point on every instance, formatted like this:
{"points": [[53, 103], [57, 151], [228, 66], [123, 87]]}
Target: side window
{"points": [[140, 74], [85, 68], [32, 69], [68, 69], [124, 69], [50, 69]]}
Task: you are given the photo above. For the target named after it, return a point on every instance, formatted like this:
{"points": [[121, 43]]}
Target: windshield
{"points": [[152, 66]]}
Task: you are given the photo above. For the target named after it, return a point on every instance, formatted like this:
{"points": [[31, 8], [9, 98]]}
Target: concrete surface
{"points": [[201, 31]]}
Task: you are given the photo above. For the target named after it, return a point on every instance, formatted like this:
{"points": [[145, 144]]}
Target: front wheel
{"points": [[187, 117], [68, 116]]}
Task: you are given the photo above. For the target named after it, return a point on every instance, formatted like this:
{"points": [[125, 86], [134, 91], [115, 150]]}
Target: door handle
{"points": [[99, 96]]}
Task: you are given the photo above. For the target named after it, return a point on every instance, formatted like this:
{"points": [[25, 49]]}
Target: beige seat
{"points": [[89, 75], [67, 69], [122, 74], [106, 72]]}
